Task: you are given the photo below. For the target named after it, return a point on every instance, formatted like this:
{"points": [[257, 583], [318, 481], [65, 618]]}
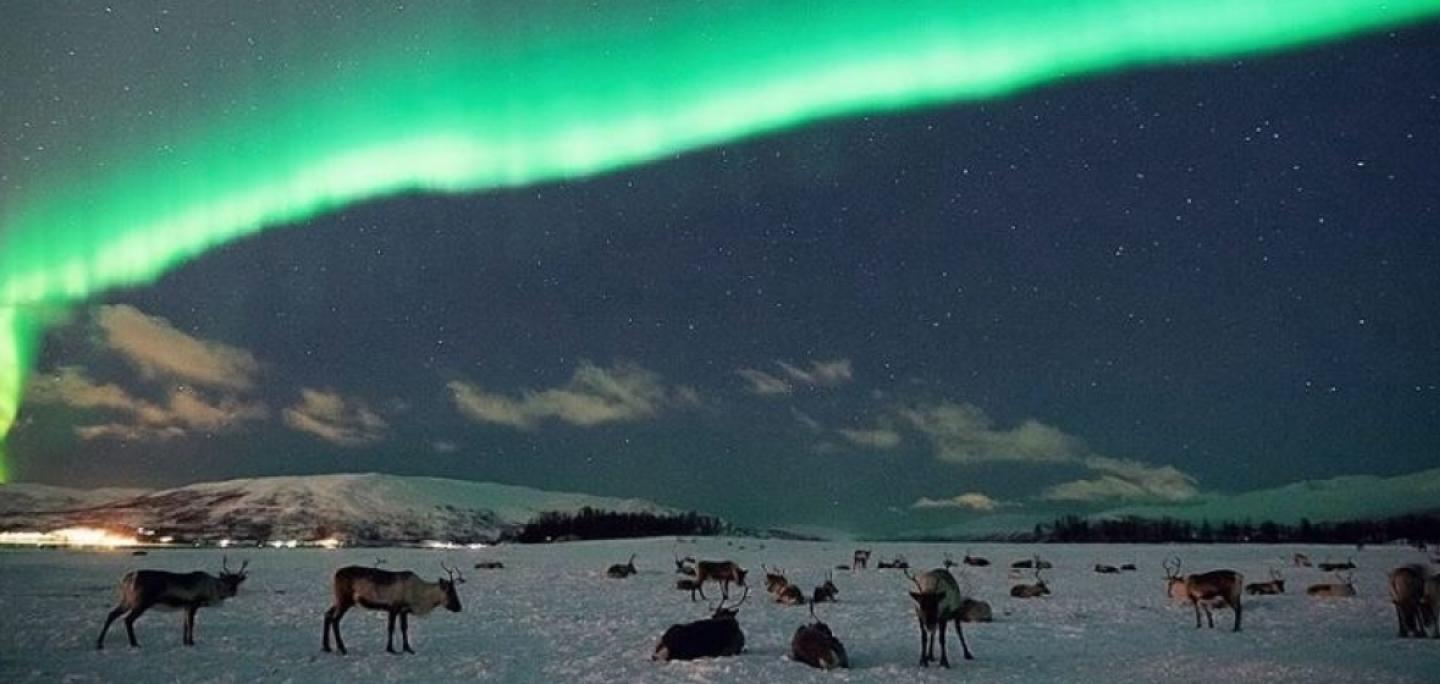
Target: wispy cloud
{"points": [[830, 373], [158, 349], [963, 433], [879, 438], [335, 419], [183, 411], [593, 396], [1125, 480], [974, 501]]}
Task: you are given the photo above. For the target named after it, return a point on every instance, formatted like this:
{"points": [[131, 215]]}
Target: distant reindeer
{"points": [[1276, 585], [938, 602], [1349, 564], [975, 560], [790, 595], [1106, 569], [827, 591], [685, 566], [1039, 588], [723, 572], [1345, 588], [1216, 588], [900, 563], [1407, 592], [949, 561], [718, 635], [815, 645], [1128, 567], [689, 584], [141, 590], [489, 565], [399, 594], [1029, 563], [619, 571], [1301, 560], [861, 559], [774, 579]]}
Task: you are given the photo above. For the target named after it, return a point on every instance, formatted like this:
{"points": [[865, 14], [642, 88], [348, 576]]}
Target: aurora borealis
{"points": [[460, 99]]}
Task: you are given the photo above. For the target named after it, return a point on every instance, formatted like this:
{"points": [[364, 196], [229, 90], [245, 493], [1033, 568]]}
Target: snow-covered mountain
{"points": [[368, 507]]}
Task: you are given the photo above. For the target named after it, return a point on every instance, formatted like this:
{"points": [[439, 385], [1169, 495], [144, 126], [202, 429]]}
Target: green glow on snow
{"points": [[485, 106]]}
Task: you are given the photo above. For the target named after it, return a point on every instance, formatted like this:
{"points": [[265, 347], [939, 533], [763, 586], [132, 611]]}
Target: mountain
{"points": [[360, 508], [1351, 497]]}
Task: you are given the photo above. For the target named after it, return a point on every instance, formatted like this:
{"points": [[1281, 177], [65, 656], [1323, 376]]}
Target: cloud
{"points": [[157, 348], [593, 396], [974, 501], [1125, 480], [962, 433], [444, 446], [184, 410], [880, 438], [763, 383], [335, 419]]}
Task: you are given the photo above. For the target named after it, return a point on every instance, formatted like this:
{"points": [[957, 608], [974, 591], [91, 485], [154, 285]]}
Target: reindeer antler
{"points": [[911, 577], [1172, 572], [453, 573]]}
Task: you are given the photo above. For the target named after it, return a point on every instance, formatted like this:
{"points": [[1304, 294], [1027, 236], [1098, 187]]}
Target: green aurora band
{"points": [[487, 106]]}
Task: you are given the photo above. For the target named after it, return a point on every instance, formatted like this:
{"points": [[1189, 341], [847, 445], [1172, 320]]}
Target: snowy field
{"points": [[552, 616]]}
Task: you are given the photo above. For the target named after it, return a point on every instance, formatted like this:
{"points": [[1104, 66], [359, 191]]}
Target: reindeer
{"points": [[938, 602], [1029, 563], [1103, 569], [790, 595], [1301, 560], [861, 559], [1407, 592], [949, 561], [1345, 588], [618, 571], [1039, 588], [827, 591], [397, 593], [1128, 567], [723, 572], [975, 610], [1349, 564], [774, 580], [718, 635], [898, 564], [141, 590], [974, 560], [689, 584], [1276, 585], [1216, 588], [815, 645], [685, 566], [1430, 604]]}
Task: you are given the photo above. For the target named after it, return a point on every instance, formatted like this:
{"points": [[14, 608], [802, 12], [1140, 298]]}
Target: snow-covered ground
{"points": [[552, 616]]}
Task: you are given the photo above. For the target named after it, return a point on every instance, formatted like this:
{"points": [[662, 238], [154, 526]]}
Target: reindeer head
{"points": [[452, 599], [1172, 571], [230, 581]]}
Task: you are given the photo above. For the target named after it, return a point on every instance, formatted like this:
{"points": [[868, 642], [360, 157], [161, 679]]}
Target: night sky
{"points": [[1152, 286]]}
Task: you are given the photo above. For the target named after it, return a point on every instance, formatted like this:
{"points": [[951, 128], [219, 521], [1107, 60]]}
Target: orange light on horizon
{"points": [[69, 536]]}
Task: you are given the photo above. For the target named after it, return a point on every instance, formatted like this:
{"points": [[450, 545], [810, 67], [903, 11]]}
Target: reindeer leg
{"points": [[405, 632], [325, 631], [390, 634], [924, 645], [335, 625], [1209, 616], [189, 637], [1238, 613], [960, 631], [114, 613], [130, 619], [944, 652], [1196, 604]]}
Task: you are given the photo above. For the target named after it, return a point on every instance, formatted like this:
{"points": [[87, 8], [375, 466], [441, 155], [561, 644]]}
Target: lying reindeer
{"points": [[1128, 567], [718, 635], [1345, 588], [397, 593], [938, 602], [723, 572], [1103, 569], [1349, 564], [827, 591], [1276, 585], [898, 564], [1407, 592], [1301, 560], [1029, 563], [975, 560], [1039, 588], [141, 590], [1216, 588], [774, 579], [815, 645], [618, 571]]}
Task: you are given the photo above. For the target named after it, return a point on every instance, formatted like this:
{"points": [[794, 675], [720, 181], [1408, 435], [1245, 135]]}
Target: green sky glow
{"points": [[484, 107]]}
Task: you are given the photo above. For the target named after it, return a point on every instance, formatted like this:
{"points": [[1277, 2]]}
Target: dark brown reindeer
{"points": [[938, 602], [685, 566], [1349, 564], [975, 560], [619, 571], [1207, 590], [723, 572], [815, 645], [715, 636], [861, 559], [689, 584], [399, 594], [827, 591], [1104, 569], [1407, 592], [140, 590], [1276, 585]]}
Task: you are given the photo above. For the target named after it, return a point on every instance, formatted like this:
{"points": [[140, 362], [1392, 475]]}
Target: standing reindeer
{"points": [[1276, 585], [1407, 592], [142, 589], [938, 602], [397, 593], [723, 572], [618, 571], [1207, 590], [861, 559]]}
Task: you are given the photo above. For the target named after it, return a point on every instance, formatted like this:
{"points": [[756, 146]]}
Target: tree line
{"points": [[591, 523], [1421, 527]]}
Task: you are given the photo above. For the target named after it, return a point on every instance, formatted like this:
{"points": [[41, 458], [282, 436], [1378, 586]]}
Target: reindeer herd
{"points": [[936, 596]]}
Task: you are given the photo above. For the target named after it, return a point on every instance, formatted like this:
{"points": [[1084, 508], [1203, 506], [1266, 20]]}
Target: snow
{"points": [[551, 615]]}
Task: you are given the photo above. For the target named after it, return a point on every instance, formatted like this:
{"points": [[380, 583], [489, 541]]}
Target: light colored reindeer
{"points": [[938, 602], [1345, 588], [399, 594], [1276, 585], [1407, 592], [141, 590]]}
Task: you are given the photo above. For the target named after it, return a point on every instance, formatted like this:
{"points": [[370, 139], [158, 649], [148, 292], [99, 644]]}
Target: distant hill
{"points": [[361, 508]]}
